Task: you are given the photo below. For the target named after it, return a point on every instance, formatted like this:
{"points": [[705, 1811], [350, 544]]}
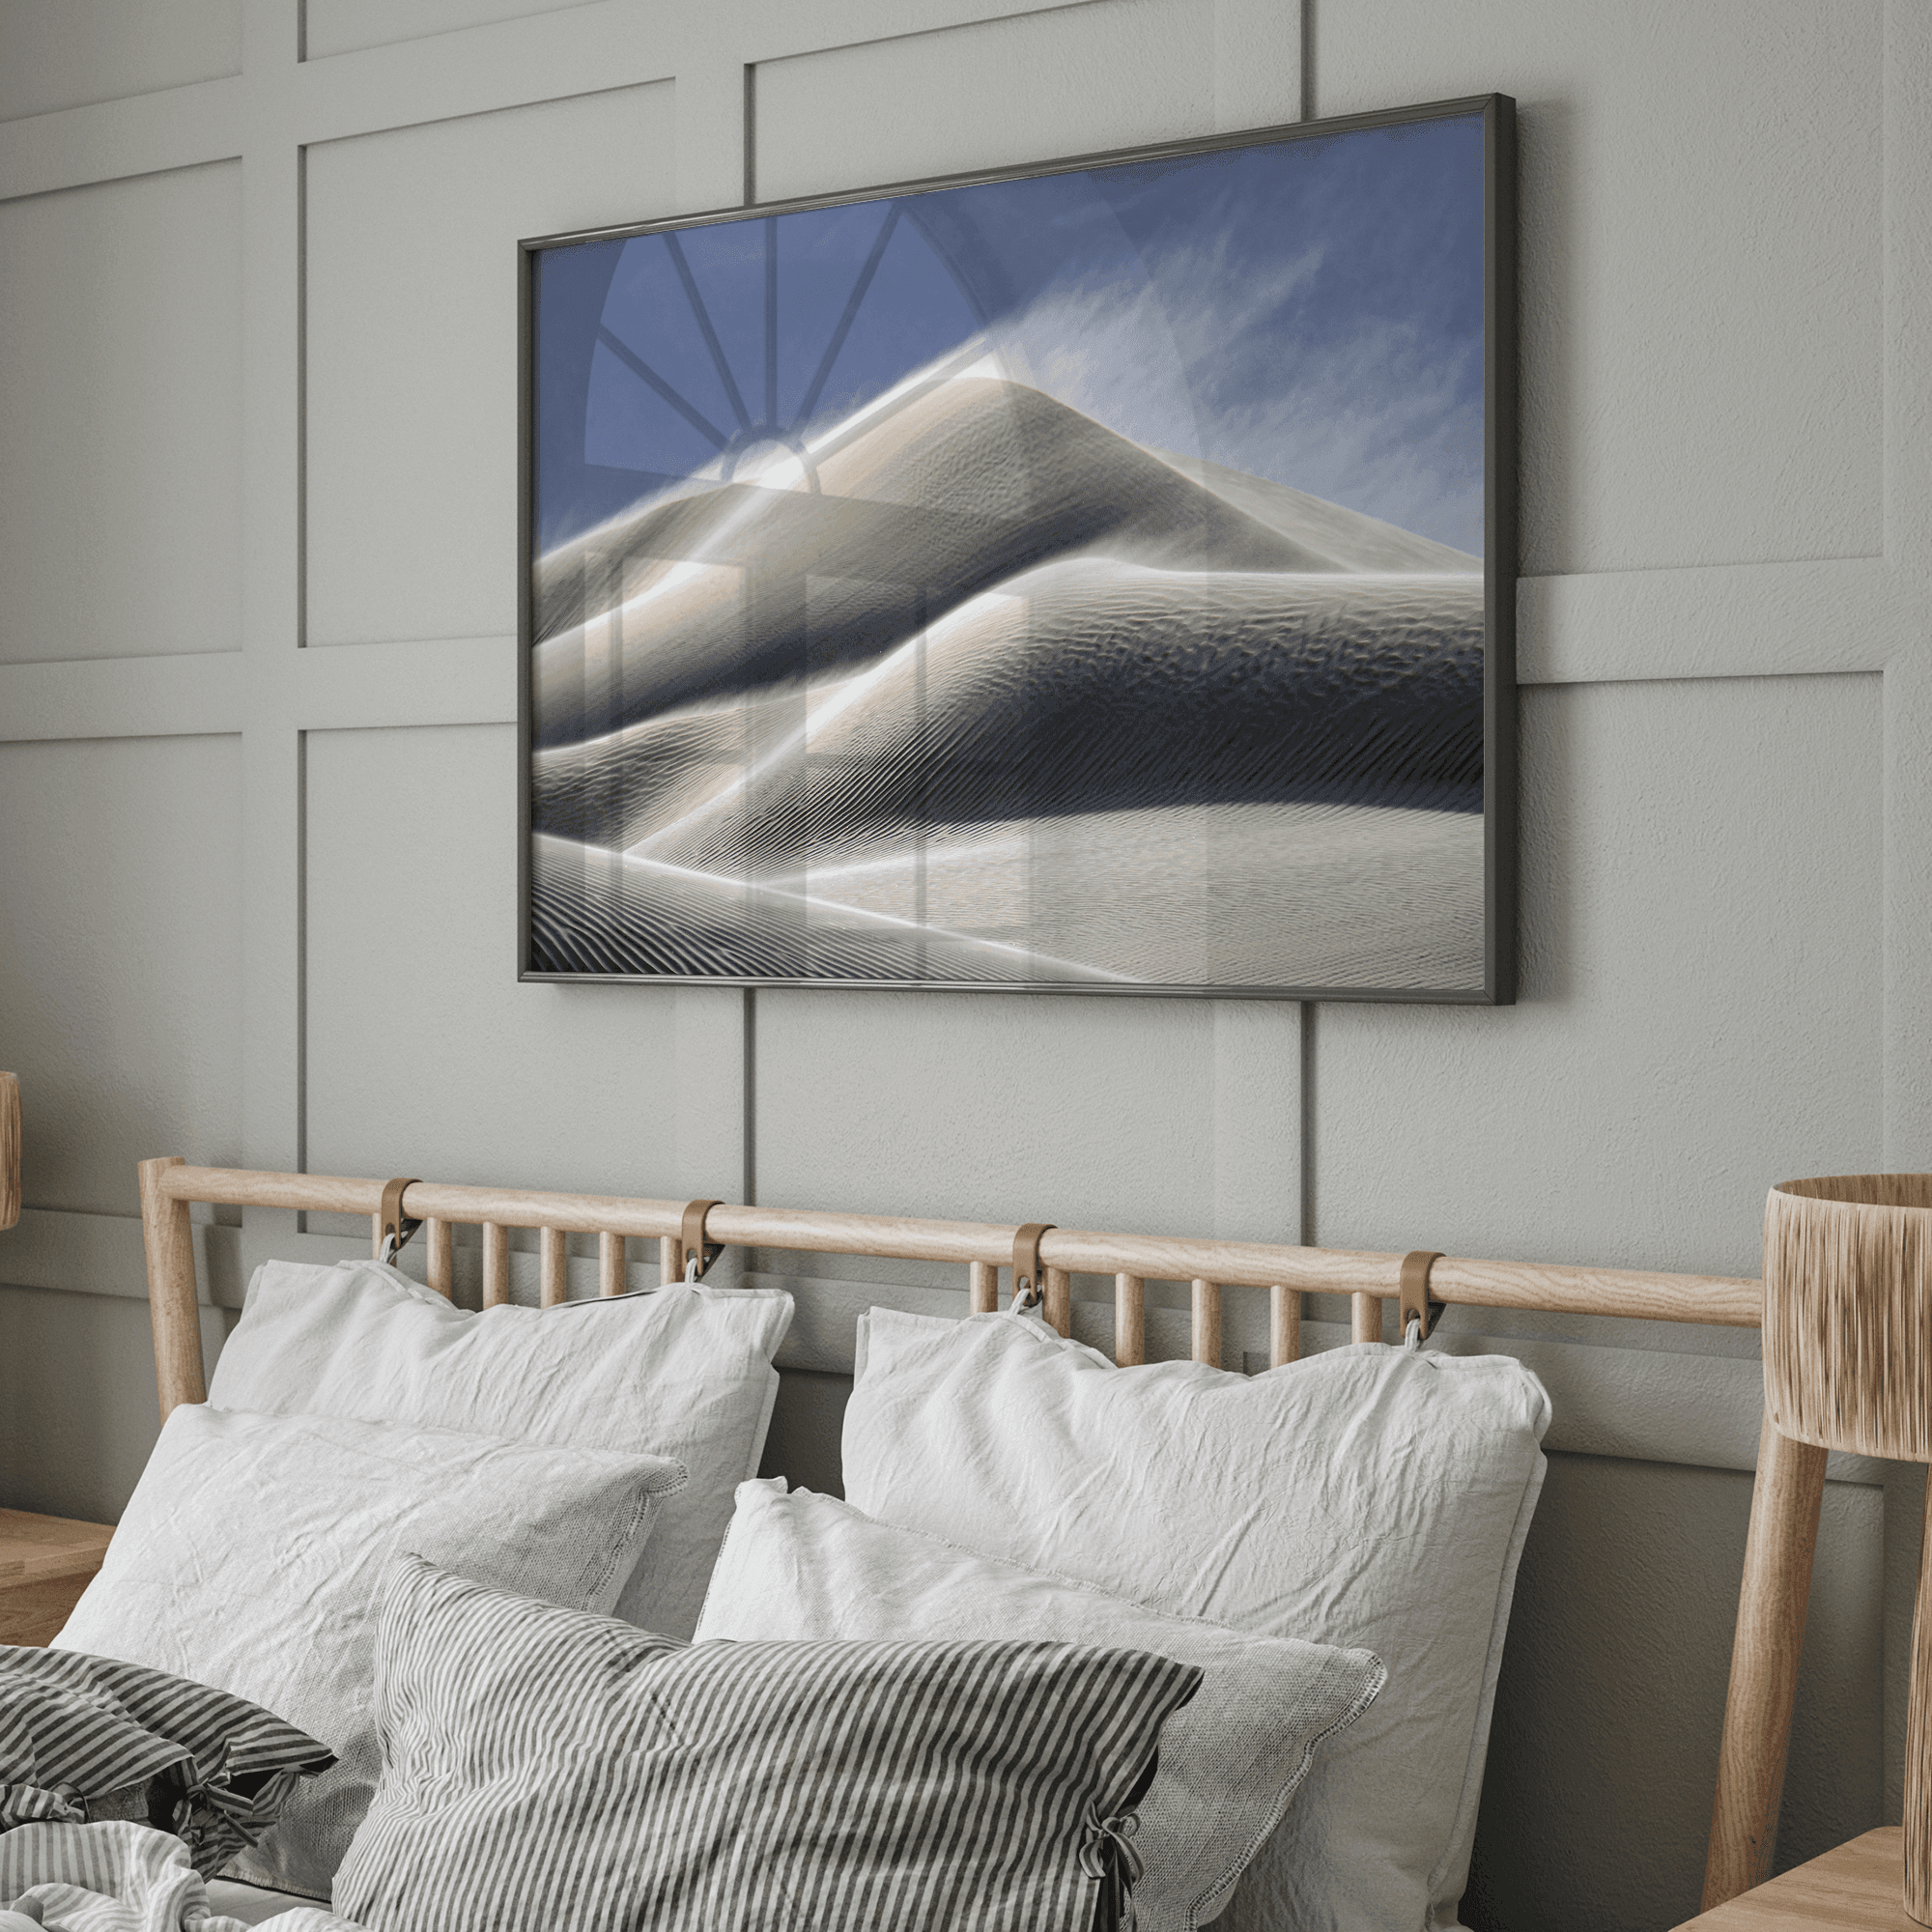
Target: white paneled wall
{"points": [[342, 26], [410, 259], [1128, 1114], [85, 52], [485, 1066], [122, 975], [1065, 80], [257, 764], [120, 456], [1702, 964], [1702, 264]]}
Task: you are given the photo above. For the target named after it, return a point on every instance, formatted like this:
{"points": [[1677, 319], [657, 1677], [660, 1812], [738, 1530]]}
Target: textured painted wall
{"points": [[257, 795]]}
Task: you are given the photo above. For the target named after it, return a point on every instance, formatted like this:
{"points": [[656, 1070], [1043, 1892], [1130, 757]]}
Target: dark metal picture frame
{"points": [[960, 637]]}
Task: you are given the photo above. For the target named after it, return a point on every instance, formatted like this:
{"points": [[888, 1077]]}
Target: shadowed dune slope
{"points": [[1086, 686]]}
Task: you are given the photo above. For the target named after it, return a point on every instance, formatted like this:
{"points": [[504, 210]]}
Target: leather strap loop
{"points": [[1029, 1286], [690, 1242], [391, 1223], [1414, 1303]]}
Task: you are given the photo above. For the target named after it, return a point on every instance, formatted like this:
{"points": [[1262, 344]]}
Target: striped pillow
{"points": [[85, 1737], [580, 1773]]}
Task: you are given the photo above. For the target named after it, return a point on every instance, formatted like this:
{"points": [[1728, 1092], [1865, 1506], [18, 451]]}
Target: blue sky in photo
{"points": [[1309, 311]]}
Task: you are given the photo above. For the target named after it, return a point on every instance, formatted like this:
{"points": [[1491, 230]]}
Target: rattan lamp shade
{"points": [[1848, 1365], [1848, 1312]]}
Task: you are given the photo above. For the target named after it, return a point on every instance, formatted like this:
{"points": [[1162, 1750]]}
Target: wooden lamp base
{"points": [[1919, 1742], [10, 1149]]}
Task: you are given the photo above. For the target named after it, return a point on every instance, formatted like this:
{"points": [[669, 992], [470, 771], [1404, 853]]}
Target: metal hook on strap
{"points": [[1414, 1304], [694, 1254], [1029, 1284], [393, 1228]]}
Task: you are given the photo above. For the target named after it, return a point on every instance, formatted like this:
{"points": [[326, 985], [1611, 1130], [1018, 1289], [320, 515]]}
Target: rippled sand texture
{"points": [[1007, 698]]}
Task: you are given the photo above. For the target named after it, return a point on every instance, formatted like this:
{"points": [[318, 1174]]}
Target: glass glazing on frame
{"points": [[1066, 579]]}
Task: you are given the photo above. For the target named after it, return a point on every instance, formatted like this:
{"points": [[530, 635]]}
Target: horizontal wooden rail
{"points": [[1627, 1292], [1717, 1300], [895, 1237], [423, 1200]]}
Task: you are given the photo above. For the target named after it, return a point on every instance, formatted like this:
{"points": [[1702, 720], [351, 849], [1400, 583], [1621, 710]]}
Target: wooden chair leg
{"points": [[1777, 1591]]}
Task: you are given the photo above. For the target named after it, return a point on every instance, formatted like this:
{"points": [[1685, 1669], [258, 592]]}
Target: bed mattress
{"points": [[251, 1903]]}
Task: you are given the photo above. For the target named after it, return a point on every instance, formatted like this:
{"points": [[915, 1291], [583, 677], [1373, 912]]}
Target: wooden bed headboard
{"points": [[1785, 1499]]}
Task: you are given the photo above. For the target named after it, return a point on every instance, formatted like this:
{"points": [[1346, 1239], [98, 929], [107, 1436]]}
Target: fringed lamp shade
{"points": [[1848, 1312], [1848, 1365]]}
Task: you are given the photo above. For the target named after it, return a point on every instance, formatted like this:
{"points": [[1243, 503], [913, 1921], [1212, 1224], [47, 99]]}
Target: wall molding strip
{"points": [[144, 134], [1719, 621], [196, 694]]}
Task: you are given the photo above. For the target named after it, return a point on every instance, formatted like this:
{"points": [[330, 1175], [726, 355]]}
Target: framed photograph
{"points": [[1096, 577]]}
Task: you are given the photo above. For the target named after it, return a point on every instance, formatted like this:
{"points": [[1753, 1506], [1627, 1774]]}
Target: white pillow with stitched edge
{"points": [[808, 1567], [251, 1554], [1371, 1496], [684, 1371]]}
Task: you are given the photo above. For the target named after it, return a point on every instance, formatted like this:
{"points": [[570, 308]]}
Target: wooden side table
{"points": [[45, 1563], [1859, 1888]]}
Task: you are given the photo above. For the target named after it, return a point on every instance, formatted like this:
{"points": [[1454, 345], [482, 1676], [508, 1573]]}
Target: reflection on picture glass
{"points": [[1074, 580]]}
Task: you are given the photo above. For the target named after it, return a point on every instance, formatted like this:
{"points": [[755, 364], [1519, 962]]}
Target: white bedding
{"points": [[1369, 1497], [126, 1878], [256, 1905]]}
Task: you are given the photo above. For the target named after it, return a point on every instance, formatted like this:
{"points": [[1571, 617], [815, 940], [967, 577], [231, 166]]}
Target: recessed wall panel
{"points": [[1029, 88], [1106, 1114], [121, 959], [1604, 1748], [1701, 262], [77, 1407], [412, 389], [121, 417], [340, 26], [425, 1056], [1702, 989], [71, 53]]}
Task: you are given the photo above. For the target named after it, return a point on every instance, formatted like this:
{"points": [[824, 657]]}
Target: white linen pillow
{"points": [[251, 1555], [684, 1371], [1371, 1497], [807, 1566]]}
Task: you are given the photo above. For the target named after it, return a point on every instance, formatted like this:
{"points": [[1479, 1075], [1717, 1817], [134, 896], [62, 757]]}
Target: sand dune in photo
{"points": [[1338, 896], [972, 482], [1024, 702], [974, 689]]}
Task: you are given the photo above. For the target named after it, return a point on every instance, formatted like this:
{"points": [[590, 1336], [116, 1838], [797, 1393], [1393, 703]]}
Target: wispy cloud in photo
{"points": [[1204, 361], [1305, 310]]}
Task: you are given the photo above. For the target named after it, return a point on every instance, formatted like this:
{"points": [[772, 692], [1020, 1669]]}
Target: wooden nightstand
{"points": [[45, 1563], [1859, 1888]]}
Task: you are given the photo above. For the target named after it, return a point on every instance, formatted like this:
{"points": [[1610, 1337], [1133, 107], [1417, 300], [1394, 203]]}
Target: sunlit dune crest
{"points": [[969, 482]]}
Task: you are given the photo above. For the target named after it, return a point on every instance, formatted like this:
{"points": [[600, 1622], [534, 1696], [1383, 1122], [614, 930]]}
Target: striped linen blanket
{"points": [[121, 1877]]}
